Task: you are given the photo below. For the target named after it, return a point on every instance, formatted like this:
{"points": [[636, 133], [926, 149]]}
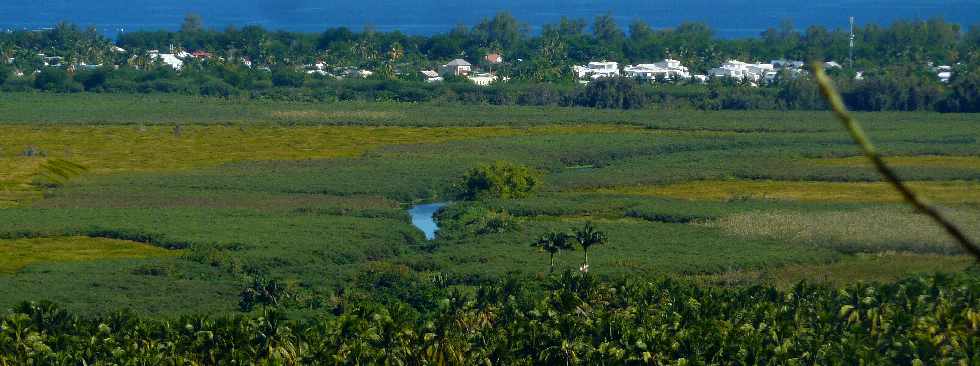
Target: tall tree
{"points": [[192, 23], [553, 243], [503, 29], [588, 237], [606, 30]]}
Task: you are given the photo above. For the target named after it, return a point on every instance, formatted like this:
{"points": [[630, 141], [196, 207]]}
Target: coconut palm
{"points": [[587, 237], [553, 243]]}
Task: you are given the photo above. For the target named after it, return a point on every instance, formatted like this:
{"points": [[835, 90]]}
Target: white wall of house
{"points": [[597, 70], [666, 69]]}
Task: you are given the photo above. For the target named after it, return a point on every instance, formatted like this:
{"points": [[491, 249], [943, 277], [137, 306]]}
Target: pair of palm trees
{"points": [[585, 237]]}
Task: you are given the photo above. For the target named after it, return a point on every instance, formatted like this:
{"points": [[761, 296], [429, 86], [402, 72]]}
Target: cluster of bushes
{"points": [[499, 180], [569, 319]]}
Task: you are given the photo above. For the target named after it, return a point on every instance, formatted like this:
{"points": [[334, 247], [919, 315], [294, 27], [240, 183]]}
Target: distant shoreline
{"points": [[730, 20]]}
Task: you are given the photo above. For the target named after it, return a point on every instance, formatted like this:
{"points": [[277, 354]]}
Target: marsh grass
{"points": [[951, 192], [114, 149], [866, 267], [852, 231], [353, 115], [19, 253], [926, 161], [910, 195]]}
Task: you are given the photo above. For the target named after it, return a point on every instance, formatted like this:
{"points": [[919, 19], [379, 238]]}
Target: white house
{"points": [[787, 64], [832, 65], [733, 69], [666, 69], [944, 73], [458, 67], [762, 72], [50, 60], [431, 76], [739, 70], [168, 59], [483, 79], [597, 70]]}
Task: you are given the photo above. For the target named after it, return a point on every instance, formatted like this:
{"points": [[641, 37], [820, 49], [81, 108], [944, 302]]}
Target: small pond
{"points": [[422, 218]]}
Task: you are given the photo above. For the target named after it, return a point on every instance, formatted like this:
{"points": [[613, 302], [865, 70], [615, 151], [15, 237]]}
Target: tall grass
{"points": [[912, 197], [850, 231]]}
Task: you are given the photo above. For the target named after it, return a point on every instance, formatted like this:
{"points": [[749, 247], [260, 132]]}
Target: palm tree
{"points": [[553, 243], [586, 237]]}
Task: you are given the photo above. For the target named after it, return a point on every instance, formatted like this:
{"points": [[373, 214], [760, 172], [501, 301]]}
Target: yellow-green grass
{"points": [[19, 253], [957, 162], [862, 230], [110, 149], [877, 267], [950, 192]]}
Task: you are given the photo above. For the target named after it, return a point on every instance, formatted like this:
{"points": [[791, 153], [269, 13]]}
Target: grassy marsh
{"points": [[19, 253], [313, 195]]}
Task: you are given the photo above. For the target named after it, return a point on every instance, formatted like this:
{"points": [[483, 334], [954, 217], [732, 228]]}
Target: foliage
{"points": [[587, 237], [262, 292], [964, 96], [475, 220], [499, 180], [619, 93], [553, 243], [315, 206], [896, 60], [572, 320]]}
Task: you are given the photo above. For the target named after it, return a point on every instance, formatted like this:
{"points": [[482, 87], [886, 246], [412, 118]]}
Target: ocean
{"points": [[729, 18]]}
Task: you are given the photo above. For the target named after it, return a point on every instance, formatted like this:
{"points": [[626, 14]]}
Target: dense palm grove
{"points": [[566, 319], [895, 61]]}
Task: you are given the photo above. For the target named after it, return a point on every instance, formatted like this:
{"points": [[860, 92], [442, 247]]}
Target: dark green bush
{"points": [[499, 180]]}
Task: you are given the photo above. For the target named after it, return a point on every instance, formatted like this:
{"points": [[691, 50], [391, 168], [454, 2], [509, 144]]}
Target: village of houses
{"points": [[754, 74]]}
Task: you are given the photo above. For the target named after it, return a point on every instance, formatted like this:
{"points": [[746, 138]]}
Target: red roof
{"points": [[494, 58], [201, 54]]}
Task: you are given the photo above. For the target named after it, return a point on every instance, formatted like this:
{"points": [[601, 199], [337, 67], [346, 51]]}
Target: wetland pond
{"points": [[423, 218]]}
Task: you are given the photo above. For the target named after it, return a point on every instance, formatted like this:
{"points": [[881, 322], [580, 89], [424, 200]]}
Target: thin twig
{"points": [[857, 133]]}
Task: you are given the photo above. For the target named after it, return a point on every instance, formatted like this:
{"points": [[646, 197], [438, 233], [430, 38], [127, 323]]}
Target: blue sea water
{"points": [[729, 18]]}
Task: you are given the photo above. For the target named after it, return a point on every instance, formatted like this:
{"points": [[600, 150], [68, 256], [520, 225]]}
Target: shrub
{"points": [[262, 292], [217, 88], [5, 73], [91, 80], [286, 77], [477, 220], [499, 180], [613, 93], [57, 80]]}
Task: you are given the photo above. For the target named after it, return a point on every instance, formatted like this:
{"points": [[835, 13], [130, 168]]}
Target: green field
{"points": [[314, 196]]}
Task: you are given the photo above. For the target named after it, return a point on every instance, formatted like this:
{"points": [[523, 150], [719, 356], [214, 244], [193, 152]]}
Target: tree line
{"points": [[894, 61], [564, 319]]}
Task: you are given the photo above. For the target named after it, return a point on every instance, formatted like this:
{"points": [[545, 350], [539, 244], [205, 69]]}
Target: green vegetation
{"points": [[499, 180], [698, 226], [896, 62], [553, 243], [17, 254], [570, 319]]}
